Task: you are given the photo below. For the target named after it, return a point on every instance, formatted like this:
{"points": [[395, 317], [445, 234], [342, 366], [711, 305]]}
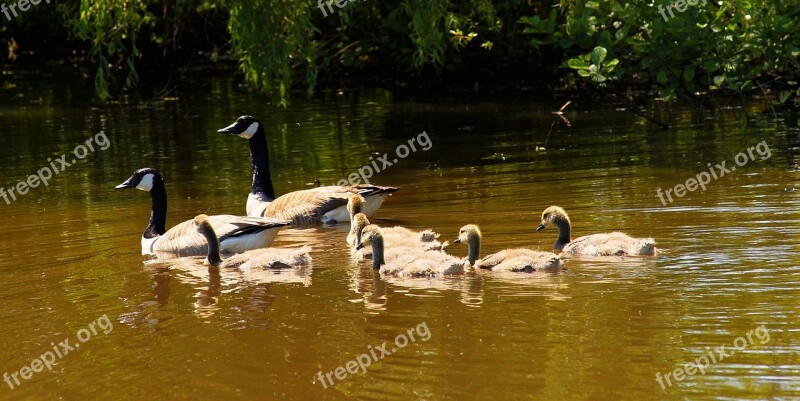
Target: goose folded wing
{"points": [[227, 226], [366, 190], [184, 240], [307, 207]]}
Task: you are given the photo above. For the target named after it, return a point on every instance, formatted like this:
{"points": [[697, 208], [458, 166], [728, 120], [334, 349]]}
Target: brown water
{"points": [[600, 330]]}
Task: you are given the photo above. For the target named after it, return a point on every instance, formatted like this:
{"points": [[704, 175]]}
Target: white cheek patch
{"points": [[250, 131], [146, 184]]}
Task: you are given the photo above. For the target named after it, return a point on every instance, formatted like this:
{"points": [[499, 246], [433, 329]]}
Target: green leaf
{"points": [[577, 64], [661, 77], [785, 96], [719, 79], [598, 55], [688, 73]]}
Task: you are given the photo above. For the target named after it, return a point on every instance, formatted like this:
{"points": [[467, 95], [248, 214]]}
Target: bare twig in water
{"points": [[559, 113], [769, 99]]}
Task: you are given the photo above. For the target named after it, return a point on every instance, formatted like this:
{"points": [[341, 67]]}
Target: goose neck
{"points": [[158, 212], [259, 158]]}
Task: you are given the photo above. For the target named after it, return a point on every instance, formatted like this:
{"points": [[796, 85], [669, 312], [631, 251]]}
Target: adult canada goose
{"points": [[608, 244], [265, 258], [411, 262], [393, 236], [237, 234], [507, 260], [305, 207]]}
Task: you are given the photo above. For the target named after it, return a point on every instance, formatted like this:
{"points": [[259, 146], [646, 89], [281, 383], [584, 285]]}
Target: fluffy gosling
{"points": [[408, 262], [507, 260], [393, 236], [607, 244], [264, 258]]}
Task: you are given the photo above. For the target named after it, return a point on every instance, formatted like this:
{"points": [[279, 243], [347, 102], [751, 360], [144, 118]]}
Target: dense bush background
{"points": [[745, 47]]}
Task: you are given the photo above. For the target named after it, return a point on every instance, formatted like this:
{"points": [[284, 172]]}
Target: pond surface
{"points": [[599, 330]]}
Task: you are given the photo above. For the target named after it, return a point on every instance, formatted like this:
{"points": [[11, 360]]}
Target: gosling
{"points": [[507, 260], [409, 262], [393, 236], [607, 244], [265, 258]]}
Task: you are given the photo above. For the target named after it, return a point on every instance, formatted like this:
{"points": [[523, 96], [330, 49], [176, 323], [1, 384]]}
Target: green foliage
{"points": [[594, 66], [707, 47], [111, 28], [284, 44], [272, 38]]}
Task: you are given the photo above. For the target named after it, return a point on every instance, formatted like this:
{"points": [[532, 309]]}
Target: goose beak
{"points": [[540, 228], [457, 241], [126, 184], [231, 129], [359, 247]]}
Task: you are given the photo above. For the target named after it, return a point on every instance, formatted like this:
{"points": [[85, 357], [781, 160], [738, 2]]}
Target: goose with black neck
{"points": [[236, 233], [308, 207]]}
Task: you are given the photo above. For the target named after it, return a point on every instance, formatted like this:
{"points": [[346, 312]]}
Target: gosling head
{"points": [[369, 234], [244, 126], [201, 222], [355, 204], [143, 179], [470, 234], [467, 233], [552, 215], [360, 221]]}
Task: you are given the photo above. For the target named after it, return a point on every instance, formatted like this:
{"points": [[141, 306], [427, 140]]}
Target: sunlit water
{"points": [[599, 330]]}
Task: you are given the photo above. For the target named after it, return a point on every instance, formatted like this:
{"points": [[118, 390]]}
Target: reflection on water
{"points": [[600, 329]]}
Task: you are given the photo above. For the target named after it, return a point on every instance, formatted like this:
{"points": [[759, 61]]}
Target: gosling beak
{"points": [[231, 129], [359, 247], [127, 184], [457, 241], [540, 228]]}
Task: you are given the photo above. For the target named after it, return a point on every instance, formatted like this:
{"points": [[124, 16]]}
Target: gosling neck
{"points": [[354, 209], [474, 246], [563, 224], [213, 256], [377, 253]]}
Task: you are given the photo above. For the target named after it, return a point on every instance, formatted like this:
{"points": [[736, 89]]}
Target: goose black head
{"points": [[244, 126], [142, 179]]}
